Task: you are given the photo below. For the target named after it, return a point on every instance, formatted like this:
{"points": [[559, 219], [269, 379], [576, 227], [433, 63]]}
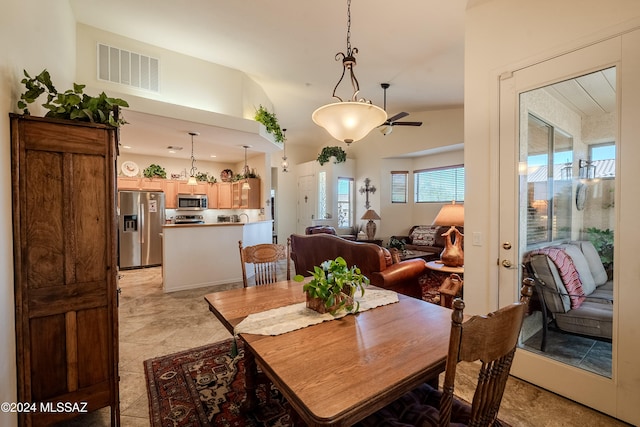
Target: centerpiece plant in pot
{"points": [[333, 287]]}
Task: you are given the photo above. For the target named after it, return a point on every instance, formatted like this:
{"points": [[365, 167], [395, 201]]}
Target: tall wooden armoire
{"points": [[65, 242]]}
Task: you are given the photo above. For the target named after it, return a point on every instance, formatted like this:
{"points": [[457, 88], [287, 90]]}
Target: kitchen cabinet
{"points": [[152, 184], [224, 195], [65, 239], [128, 183], [200, 188], [171, 194], [212, 194], [246, 198]]}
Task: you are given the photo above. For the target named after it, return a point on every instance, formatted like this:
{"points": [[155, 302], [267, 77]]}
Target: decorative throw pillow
{"points": [[568, 272], [424, 235], [581, 264]]}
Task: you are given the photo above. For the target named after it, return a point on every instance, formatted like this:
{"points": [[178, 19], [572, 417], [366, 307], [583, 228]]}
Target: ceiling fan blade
{"points": [[406, 124], [396, 117]]}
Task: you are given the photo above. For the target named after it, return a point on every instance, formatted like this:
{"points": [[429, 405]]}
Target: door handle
{"points": [[508, 265]]}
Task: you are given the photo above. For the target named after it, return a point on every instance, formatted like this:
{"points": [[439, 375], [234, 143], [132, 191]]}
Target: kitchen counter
{"points": [[198, 255]]}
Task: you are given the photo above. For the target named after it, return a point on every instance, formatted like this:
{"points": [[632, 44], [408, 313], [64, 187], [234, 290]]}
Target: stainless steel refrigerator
{"points": [[140, 220]]}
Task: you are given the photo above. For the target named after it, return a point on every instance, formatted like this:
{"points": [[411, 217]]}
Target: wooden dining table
{"points": [[338, 372]]}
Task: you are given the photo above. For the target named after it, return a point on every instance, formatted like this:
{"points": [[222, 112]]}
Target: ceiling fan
{"points": [[387, 126]]}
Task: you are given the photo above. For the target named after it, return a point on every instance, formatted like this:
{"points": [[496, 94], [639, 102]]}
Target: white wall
{"points": [[439, 139], [184, 80], [32, 37]]}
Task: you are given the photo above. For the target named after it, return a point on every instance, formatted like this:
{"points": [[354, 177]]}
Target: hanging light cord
{"points": [[348, 62], [193, 159]]}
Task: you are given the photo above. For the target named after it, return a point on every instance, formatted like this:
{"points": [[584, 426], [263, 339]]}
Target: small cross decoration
{"points": [[366, 190]]}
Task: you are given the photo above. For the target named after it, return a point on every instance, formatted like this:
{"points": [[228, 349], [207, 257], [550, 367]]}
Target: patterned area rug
{"points": [[204, 386]]}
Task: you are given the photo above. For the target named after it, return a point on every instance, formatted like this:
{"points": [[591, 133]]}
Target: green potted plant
{"points": [[328, 152], [72, 104], [270, 121], [333, 286], [154, 171], [602, 240]]}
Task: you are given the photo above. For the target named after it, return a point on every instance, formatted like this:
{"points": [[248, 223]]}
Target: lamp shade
{"points": [[349, 121], [370, 214], [192, 181], [451, 214]]}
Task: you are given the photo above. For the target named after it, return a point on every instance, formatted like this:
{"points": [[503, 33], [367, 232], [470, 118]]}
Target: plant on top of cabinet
{"points": [[205, 177], [328, 152], [73, 104], [270, 121], [250, 174], [154, 171]]}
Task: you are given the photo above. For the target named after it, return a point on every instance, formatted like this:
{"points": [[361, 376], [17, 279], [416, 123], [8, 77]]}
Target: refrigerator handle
{"points": [[142, 224]]}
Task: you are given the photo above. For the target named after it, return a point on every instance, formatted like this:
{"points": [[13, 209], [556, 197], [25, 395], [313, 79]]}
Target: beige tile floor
{"points": [[153, 323]]}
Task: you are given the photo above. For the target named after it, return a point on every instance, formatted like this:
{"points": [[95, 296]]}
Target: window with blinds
{"points": [[345, 202], [439, 185], [399, 181]]}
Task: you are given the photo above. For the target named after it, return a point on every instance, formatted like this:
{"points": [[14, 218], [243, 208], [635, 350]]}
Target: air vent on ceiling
{"points": [[127, 68]]}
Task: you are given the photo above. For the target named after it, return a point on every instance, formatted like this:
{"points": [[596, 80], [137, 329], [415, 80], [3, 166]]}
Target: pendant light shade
{"points": [[349, 121]]}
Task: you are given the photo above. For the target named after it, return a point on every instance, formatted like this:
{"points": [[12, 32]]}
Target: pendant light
{"points": [[192, 173], [349, 121], [245, 184], [285, 164]]}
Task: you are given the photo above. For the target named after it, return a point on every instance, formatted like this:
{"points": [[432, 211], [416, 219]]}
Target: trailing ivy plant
{"points": [[154, 171], [270, 121], [328, 152], [72, 104]]}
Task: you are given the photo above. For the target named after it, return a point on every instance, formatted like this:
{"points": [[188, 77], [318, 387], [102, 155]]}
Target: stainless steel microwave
{"points": [[192, 202]]}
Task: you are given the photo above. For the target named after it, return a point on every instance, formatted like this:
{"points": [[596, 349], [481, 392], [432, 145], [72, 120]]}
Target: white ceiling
{"points": [[288, 48]]}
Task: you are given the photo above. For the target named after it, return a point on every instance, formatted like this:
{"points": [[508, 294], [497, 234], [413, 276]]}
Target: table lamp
{"points": [[371, 226], [453, 215]]}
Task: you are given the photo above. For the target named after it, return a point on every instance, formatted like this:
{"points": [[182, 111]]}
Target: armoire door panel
{"points": [[48, 356]]}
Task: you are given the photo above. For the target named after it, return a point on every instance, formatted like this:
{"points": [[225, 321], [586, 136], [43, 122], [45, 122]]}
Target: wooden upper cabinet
{"points": [[128, 183], [224, 195], [244, 198], [171, 194], [212, 194], [152, 184], [200, 188], [65, 240]]}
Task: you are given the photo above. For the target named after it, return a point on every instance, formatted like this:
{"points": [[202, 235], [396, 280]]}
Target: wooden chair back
{"points": [[264, 257], [492, 339]]}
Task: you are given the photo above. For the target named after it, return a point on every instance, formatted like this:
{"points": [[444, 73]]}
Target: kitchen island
{"points": [[198, 255]]}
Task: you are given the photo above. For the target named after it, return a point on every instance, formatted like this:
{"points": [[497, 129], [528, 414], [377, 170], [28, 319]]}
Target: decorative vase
{"points": [[453, 255]]}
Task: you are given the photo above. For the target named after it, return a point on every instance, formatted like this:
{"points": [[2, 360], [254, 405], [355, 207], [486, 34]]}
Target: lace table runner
{"points": [[297, 316]]}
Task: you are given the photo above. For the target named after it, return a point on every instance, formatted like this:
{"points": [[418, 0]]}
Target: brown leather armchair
{"points": [[374, 261]]}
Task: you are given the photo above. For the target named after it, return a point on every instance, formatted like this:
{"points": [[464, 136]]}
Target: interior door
{"points": [[547, 147], [306, 202]]}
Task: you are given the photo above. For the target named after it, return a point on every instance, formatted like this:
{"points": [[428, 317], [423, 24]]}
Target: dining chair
{"points": [[264, 257], [492, 339]]}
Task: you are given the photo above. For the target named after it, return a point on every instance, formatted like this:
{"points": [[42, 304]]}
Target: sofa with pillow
{"points": [[426, 238], [375, 262], [573, 289]]}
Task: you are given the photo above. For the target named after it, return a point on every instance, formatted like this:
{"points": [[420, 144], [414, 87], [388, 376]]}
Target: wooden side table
{"points": [[441, 271]]}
